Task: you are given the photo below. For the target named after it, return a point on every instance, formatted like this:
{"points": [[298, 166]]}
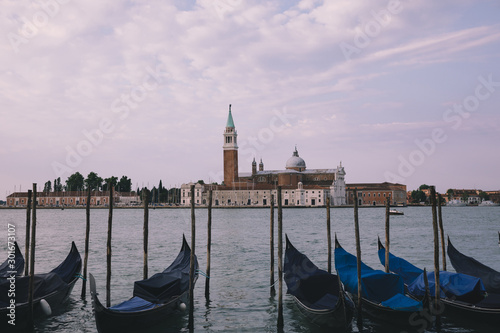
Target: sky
{"points": [[398, 91]]}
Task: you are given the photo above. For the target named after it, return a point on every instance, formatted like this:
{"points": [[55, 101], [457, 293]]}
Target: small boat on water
{"points": [[318, 294], [154, 299], [14, 264], [470, 266], [50, 291], [383, 294], [463, 296], [395, 212]]}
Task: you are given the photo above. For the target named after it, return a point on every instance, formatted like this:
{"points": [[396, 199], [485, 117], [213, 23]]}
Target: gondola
{"points": [[50, 291], [14, 264], [463, 296], [383, 294], [155, 299], [317, 293], [470, 266]]}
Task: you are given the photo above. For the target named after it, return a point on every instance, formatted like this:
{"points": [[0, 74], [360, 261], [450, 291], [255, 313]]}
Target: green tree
{"points": [[47, 187], [57, 185], [75, 182], [418, 196], [450, 193], [109, 182], [424, 187], [93, 182], [124, 185]]}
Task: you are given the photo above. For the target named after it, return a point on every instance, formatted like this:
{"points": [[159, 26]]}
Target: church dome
{"points": [[296, 162]]}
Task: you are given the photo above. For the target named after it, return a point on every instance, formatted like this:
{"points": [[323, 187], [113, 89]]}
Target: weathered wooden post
{"points": [[358, 257], [329, 233], [108, 256], [192, 262], [87, 236], [436, 252], [271, 236], [145, 198], [31, 286], [387, 232], [441, 229], [280, 260], [209, 244], [27, 240]]}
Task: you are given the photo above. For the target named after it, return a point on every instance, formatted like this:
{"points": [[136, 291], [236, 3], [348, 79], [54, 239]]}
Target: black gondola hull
{"points": [[108, 320], [337, 318]]}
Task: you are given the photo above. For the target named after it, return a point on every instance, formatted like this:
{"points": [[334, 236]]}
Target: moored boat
{"points": [[318, 294], [154, 299], [463, 296], [50, 291], [470, 266], [383, 294]]}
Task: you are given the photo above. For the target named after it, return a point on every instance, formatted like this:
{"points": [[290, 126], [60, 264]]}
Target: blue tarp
{"points": [[401, 302], [134, 304], [452, 285], [376, 286], [401, 267]]}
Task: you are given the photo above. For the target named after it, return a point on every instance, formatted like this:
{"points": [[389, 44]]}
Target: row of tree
{"points": [[76, 182]]}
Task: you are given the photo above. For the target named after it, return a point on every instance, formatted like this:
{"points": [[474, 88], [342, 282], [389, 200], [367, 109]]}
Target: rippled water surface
{"points": [[240, 264]]}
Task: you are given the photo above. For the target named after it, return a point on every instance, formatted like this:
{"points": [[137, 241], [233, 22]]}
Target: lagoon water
{"points": [[240, 259]]}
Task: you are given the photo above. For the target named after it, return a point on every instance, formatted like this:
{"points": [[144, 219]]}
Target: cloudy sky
{"points": [[403, 91]]}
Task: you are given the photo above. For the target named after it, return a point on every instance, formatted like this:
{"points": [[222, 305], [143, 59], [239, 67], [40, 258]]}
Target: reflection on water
{"points": [[239, 287]]}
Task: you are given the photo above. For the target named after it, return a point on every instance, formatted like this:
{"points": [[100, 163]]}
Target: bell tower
{"points": [[230, 149]]}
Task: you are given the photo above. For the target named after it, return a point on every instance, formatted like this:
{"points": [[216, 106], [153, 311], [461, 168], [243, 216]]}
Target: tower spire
{"points": [[230, 122]]}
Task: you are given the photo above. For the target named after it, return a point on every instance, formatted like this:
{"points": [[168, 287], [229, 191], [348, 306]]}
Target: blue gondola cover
{"points": [[376, 285], [461, 287]]}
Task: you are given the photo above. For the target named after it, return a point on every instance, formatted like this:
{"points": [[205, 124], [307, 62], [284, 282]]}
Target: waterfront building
{"points": [[73, 199], [300, 186], [375, 194]]}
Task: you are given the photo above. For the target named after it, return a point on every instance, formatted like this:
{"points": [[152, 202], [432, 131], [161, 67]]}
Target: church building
{"points": [[300, 186]]}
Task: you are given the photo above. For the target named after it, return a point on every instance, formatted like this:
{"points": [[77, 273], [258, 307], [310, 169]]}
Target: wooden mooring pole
{"points": [[387, 231], [271, 237], [280, 260], [329, 233], [28, 231], [209, 245], [441, 229], [436, 253], [192, 262], [87, 236], [108, 252], [31, 290], [358, 257], [145, 198]]}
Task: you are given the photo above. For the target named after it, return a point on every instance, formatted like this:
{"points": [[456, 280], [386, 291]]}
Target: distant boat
{"points": [[456, 203], [488, 203], [396, 212]]}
